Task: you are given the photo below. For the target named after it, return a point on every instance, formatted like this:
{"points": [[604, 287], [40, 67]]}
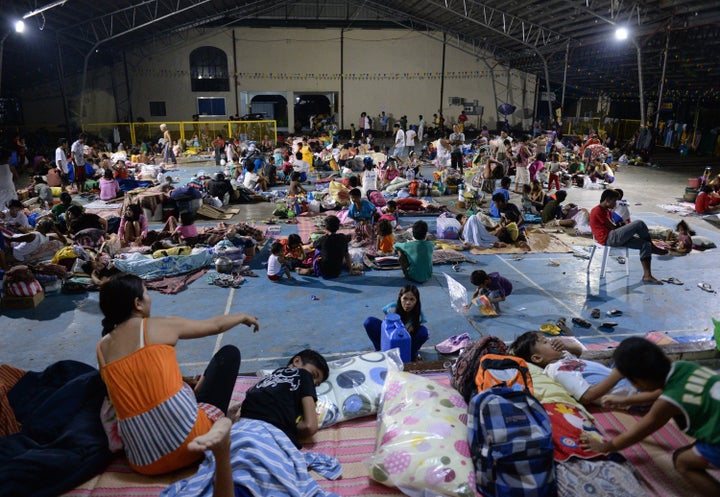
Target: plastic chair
{"points": [[605, 256]]}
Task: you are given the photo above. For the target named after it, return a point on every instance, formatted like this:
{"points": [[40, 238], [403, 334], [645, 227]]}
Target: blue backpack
{"points": [[510, 439]]}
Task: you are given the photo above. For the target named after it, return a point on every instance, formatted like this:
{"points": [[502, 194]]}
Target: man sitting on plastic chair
{"points": [[634, 235]]}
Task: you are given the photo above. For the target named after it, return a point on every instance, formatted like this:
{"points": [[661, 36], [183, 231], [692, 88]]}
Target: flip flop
{"points": [[550, 329], [614, 312], [595, 313], [608, 324], [706, 287], [673, 281], [453, 344], [581, 322], [621, 259]]}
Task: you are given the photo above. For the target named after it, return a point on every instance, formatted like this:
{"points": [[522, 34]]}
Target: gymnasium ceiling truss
{"points": [[573, 38]]}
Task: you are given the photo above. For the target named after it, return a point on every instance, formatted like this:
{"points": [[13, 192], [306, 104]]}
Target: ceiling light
{"points": [[621, 34], [19, 26]]}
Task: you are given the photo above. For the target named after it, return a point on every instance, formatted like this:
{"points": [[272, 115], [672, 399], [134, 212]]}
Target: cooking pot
{"points": [[223, 265]]}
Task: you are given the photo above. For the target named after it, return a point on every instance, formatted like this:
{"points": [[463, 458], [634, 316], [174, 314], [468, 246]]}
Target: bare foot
{"points": [[651, 280], [217, 438]]}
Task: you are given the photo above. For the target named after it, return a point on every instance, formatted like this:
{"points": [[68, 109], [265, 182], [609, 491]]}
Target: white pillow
{"points": [[702, 242]]}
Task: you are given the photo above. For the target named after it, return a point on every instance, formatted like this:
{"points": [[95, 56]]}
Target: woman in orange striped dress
{"points": [[158, 414]]}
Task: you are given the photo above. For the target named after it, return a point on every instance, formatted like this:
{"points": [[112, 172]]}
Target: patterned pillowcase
{"points": [[354, 387], [422, 446]]}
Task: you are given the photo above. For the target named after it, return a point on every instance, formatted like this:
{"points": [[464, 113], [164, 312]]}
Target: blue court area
{"points": [[327, 315]]}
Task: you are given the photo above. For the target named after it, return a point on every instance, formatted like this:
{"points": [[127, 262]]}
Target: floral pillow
{"points": [[422, 446]]}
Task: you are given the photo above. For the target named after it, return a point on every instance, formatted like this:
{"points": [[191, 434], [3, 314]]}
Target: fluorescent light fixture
{"points": [[621, 33], [44, 8], [19, 26]]}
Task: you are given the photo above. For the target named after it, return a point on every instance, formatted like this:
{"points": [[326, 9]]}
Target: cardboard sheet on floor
{"points": [[215, 213]]}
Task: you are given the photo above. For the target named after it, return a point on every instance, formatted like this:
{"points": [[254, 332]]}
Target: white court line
{"points": [[562, 304], [218, 339]]}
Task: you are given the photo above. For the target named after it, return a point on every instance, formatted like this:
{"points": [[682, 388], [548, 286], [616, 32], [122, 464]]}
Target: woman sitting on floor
{"points": [[409, 309], [133, 226], [139, 367]]}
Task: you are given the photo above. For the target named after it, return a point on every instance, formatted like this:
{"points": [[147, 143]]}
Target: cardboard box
{"points": [[12, 302]]}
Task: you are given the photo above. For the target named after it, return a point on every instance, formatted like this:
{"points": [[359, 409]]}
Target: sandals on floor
{"points": [[609, 325], [453, 344], [595, 314], [621, 259], [673, 281], [614, 312], [581, 322], [550, 329], [706, 287]]}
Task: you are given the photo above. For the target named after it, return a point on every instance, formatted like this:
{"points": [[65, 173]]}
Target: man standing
{"points": [[399, 141], [410, 135], [384, 123], [168, 154], [77, 150], [457, 140], [61, 160], [634, 235]]}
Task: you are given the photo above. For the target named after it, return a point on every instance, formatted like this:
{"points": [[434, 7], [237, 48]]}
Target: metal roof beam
{"points": [[511, 26], [455, 38], [97, 30]]}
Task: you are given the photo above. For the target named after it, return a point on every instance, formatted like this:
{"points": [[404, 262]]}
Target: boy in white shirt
{"points": [[276, 263], [587, 381]]}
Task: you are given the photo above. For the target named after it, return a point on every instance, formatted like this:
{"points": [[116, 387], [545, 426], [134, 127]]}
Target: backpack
{"points": [[465, 369], [510, 438], [503, 370]]}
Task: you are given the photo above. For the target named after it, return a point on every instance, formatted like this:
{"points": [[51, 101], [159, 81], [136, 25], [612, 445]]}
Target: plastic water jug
{"points": [[393, 334]]}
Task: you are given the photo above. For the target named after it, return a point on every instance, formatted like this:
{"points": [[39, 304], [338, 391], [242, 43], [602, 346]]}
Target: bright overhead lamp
{"points": [[19, 26], [621, 33]]}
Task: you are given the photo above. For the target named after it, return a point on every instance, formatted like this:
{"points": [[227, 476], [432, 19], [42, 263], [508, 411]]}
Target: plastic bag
{"points": [[459, 299], [448, 228]]}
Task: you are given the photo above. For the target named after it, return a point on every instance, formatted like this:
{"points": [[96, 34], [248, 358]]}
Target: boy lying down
{"points": [[589, 382]]}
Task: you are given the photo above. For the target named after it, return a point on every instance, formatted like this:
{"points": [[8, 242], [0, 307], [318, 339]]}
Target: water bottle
{"points": [[310, 196], [393, 334], [461, 192]]}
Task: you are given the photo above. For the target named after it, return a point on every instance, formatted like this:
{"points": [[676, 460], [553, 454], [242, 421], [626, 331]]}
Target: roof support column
{"points": [[662, 79], [640, 84]]}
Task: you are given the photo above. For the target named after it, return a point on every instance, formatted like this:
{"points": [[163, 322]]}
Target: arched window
{"points": [[209, 70]]}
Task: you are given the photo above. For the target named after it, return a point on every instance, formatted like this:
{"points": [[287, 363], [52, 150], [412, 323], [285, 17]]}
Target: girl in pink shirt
{"points": [[109, 187], [133, 226], [186, 230]]}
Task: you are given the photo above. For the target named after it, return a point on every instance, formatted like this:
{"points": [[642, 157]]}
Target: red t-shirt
{"points": [[702, 203], [599, 216]]}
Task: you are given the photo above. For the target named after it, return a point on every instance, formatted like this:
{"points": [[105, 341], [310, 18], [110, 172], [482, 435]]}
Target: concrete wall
{"points": [[397, 71]]}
